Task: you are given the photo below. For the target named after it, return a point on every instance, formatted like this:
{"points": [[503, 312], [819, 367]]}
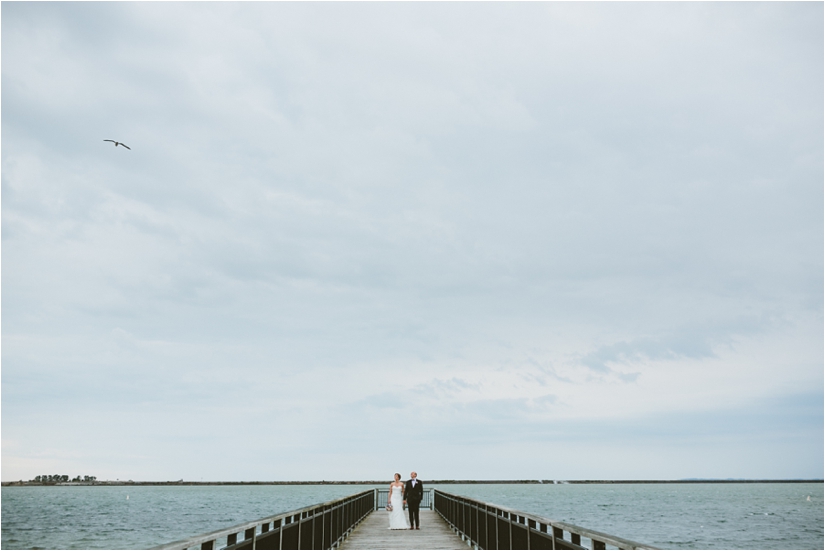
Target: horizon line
{"points": [[434, 481]]}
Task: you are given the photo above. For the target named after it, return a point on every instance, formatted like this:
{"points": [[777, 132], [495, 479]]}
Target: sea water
{"points": [[670, 516], [676, 516]]}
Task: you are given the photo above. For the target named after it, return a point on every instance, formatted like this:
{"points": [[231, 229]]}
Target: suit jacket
{"points": [[414, 495]]}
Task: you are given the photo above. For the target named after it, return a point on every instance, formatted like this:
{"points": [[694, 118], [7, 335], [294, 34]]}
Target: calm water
{"points": [[675, 516]]}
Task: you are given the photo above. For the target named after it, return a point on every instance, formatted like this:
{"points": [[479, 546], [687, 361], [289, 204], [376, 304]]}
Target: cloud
{"points": [[644, 349], [397, 215]]}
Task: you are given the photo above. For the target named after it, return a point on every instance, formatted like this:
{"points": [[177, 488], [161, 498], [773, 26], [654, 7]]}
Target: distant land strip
{"points": [[429, 482]]}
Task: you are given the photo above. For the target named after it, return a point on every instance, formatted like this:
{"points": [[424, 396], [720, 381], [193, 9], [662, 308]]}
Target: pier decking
{"points": [[373, 533]]}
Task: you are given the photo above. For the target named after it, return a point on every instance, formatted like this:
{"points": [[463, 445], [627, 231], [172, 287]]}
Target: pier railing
{"points": [[487, 526], [321, 526], [383, 495]]}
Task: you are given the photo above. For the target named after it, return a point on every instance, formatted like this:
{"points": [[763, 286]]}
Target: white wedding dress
{"points": [[398, 520]]}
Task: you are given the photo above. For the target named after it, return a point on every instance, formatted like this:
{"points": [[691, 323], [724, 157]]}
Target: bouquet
{"points": [[389, 507]]}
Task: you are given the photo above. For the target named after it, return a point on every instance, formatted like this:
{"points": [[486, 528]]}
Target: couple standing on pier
{"points": [[410, 494]]}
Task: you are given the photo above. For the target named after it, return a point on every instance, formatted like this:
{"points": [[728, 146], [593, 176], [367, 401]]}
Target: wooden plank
{"points": [[374, 533]]}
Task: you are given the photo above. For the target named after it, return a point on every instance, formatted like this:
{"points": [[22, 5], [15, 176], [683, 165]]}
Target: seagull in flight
{"points": [[119, 143]]}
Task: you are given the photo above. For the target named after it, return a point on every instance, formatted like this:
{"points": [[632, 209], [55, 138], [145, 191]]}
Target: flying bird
{"points": [[119, 143]]}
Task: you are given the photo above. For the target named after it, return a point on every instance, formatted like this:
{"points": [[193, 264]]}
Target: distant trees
{"points": [[55, 478]]}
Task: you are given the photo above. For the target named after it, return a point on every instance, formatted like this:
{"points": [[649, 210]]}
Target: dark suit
{"points": [[414, 495]]}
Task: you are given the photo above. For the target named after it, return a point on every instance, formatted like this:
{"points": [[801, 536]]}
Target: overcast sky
{"points": [[477, 240]]}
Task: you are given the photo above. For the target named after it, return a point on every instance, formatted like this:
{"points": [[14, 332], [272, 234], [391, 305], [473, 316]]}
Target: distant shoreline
{"points": [[430, 482]]}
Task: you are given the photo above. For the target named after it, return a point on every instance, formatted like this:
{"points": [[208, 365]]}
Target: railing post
{"points": [[557, 533], [478, 529], [497, 523]]}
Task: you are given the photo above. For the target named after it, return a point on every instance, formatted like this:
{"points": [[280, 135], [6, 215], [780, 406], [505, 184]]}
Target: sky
{"points": [[475, 240]]}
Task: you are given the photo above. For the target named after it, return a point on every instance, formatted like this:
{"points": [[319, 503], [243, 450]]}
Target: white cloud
{"points": [[340, 218]]}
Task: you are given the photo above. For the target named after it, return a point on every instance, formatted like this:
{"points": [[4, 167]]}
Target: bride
{"points": [[398, 521]]}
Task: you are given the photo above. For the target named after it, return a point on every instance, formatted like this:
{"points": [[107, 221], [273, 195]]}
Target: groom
{"points": [[413, 494]]}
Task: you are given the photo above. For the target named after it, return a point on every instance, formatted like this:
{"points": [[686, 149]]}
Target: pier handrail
{"points": [[382, 497], [512, 529], [320, 526]]}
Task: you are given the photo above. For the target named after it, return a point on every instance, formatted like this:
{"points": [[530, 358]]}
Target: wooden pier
{"points": [[448, 521], [374, 533]]}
